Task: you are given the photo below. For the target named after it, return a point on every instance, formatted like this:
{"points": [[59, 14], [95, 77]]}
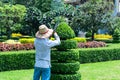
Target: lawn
{"points": [[109, 70]]}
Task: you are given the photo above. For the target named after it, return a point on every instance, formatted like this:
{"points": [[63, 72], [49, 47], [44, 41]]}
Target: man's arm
{"points": [[55, 42]]}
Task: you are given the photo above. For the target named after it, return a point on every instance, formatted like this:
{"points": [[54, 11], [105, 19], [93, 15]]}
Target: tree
{"points": [[57, 4], [10, 16], [43, 5], [32, 21], [89, 16]]}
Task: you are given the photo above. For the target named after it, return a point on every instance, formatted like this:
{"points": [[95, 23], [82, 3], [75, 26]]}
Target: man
{"points": [[43, 47]]}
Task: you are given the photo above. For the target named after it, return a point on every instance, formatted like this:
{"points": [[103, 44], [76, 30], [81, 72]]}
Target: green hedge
{"points": [[98, 55], [76, 76], [15, 60], [65, 68], [67, 44], [62, 56]]}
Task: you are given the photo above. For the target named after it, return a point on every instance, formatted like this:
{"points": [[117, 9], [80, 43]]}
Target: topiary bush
{"points": [[67, 44], [63, 68], [65, 65], [116, 36], [65, 55], [76, 76], [65, 31]]}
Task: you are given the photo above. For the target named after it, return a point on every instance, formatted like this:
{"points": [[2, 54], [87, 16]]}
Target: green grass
{"points": [[109, 70]]}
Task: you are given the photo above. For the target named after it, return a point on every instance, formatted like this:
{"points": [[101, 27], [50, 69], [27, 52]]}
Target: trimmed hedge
{"points": [[76, 76], [79, 39], [98, 55], [15, 60], [65, 68], [67, 44], [65, 31], [62, 56]]}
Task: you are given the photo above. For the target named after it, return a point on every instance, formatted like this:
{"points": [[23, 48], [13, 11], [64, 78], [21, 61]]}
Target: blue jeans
{"points": [[44, 73]]}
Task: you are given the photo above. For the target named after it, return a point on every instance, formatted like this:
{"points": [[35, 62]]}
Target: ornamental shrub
{"points": [[65, 31], [65, 55], [15, 60], [116, 35], [63, 68], [79, 39], [66, 66], [106, 36], [67, 44], [76, 76], [24, 40]]}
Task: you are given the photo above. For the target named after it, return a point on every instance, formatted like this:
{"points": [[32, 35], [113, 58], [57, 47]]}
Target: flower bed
{"points": [[11, 47], [92, 44]]}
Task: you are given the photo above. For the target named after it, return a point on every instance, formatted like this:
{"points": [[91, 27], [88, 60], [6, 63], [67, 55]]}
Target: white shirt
{"points": [[43, 51]]}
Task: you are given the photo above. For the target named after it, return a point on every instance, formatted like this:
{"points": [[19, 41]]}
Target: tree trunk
{"points": [[8, 31], [93, 34]]}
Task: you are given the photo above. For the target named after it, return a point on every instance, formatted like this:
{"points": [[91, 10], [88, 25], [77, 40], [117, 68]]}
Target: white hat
{"points": [[44, 32]]}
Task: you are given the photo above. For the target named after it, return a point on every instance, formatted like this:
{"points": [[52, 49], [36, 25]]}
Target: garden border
{"points": [[15, 60]]}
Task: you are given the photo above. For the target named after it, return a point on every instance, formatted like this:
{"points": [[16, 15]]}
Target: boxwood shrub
{"points": [[76, 76], [65, 31], [65, 68], [15, 60], [98, 55], [62, 56], [67, 44]]}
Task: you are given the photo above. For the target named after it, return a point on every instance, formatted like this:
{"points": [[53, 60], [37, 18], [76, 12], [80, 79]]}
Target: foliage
{"points": [[43, 5], [16, 60], [65, 31], [65, 56], [50, 17], [106, 36], [93, 44], [65, 68], [10, 16], [16, 35], [98, 55], [76, 76], [66, 45], [32, 19], [79, 39], [89, 16], [106, 40], [57, 4], [25, 40], [116, 35], [24, 2], [112, 23], [12, 60]]}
